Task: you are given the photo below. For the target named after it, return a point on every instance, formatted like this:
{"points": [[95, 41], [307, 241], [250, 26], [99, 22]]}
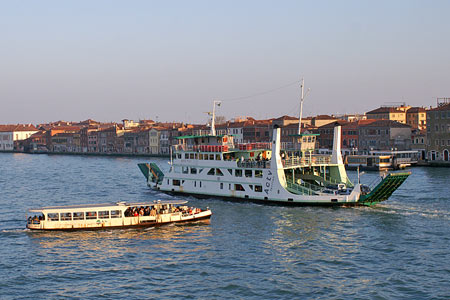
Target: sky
{"points": [[168, 60]]}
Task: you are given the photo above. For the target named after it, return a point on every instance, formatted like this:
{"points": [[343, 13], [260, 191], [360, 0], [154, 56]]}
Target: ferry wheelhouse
{"points": [[118, 215], [213, 165]]}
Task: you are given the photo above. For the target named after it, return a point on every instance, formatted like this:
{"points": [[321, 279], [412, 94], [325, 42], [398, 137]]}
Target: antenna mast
{"points": [[301, 107], [213, 121]]}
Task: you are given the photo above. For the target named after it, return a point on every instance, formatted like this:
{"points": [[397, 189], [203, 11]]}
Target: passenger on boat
{"points": [[153, 212]]}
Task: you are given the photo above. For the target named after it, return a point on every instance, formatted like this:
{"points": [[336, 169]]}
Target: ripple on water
{"points": [[396, 250]]}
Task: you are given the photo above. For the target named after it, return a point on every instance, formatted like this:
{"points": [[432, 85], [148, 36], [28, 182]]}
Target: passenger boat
{"points": [[213, 165], [382, 160], [118, 215]]}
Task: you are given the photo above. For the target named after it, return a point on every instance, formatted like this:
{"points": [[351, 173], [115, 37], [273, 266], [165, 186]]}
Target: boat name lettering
{"points": [[269, 181]]}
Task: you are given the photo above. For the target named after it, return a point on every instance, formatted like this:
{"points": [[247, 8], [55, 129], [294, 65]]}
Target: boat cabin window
{"points": [[91, 215], [186, 155], [53, 217], [78, 215], [238, 173], [176, 182], [185, 170], [205, 156], [193, 170], [219, 172], [211, 172], [217, 156], [191, 155], [238, 187], [230, 171], [200, 156], [258, 188], [211, 157], [248, 173], [179, 155], [258, 173], [65, 216], [116, 214], [103, 214]]}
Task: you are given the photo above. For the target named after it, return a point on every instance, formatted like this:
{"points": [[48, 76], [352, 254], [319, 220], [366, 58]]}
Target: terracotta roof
{"points": [[18, 127], [442, 107], [416, 110], [333, 124], [384, 110], [324, 117], [286, 118], [386, 123]]}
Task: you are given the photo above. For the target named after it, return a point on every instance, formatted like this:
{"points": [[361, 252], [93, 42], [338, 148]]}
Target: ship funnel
{"points": [[276, 158], [336, 157]]}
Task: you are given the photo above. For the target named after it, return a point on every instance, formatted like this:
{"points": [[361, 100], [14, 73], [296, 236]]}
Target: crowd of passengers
{"points": [[153, 211], [36, 219]]}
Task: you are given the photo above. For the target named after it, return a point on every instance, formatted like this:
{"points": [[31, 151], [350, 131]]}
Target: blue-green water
{"points": [[397, 250]]}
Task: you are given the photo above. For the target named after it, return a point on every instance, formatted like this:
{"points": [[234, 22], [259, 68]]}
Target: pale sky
{"points": [[168, 60]]}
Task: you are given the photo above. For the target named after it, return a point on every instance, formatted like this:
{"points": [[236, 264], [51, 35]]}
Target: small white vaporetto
{"points": [[118, 215]]}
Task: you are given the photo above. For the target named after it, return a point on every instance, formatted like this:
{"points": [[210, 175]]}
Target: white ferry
{"points": [[212, 165], [119, 215], [382, 160]]}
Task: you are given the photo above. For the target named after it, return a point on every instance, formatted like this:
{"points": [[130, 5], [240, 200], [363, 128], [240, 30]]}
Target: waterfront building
{"points": [[419, 143], [9, 134], [438, 132], [322, 120], [393, 113], [384, 135], [416, 117], [326, 134]]}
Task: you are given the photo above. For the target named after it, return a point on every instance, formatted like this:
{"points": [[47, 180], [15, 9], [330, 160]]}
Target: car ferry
{"points": [[213, 165], [118, 215]]}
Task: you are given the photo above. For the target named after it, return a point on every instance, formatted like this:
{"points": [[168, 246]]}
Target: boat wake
{"points": [[411, 211]]}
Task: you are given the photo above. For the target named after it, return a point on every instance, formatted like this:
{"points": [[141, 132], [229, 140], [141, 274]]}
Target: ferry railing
{"points": [[304, 188], [307, 160], [254, 164]]}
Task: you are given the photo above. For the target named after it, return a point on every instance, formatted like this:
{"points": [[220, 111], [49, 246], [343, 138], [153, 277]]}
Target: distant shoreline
{"points": [[91, 154]]}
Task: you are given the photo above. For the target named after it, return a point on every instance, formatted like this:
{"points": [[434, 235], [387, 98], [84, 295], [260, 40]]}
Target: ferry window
{"points": [[230, 171], [91, 215], [116, 214], [211, 172], [238, 187], [217, 156], [186, 155], [200, 156], [219, 172], [191, 156], [229, 186], [53, 217], [248, 173], [251, 186], [221, 185], [167, 181], [196, 155], [205, 156], [193, 170], [103, 214], [211, 157], [258, 173], [179, 156], [65, 216], [258, 188], [176, 182], [185, 170], [200, 184], [195, 183], [78, 215], [238, 173]]}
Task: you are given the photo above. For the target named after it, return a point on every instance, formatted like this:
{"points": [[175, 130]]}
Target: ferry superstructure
{"points": [[213, 165]]}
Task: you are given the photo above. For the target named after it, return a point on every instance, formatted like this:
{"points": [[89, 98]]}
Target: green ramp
{"points": [[384, 189], [151, 171]]}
